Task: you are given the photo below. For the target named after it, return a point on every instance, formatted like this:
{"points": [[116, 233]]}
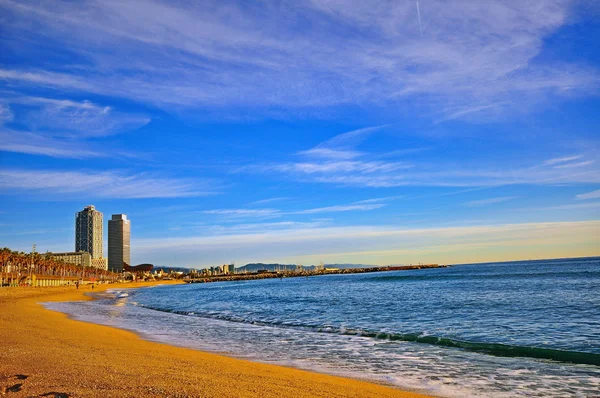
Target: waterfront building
{"points": [[88, 231], [101, 263], [82, 259], [119, 247]]}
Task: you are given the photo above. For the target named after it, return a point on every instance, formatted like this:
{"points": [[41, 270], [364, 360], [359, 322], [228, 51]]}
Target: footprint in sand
{"points": [[15, 388], [18, 386]]}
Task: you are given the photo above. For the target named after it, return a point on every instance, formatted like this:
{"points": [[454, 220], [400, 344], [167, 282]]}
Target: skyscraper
{"points": [[119, 233], [88, 231]]}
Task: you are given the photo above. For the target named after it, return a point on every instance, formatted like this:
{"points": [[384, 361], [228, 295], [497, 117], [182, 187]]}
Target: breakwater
{"points": [[293, 274]]}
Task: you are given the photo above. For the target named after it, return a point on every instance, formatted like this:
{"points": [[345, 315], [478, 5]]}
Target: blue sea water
{"points": [[527, 328]]}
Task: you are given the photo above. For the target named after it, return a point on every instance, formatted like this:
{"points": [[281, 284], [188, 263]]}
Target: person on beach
{"points": [[77, 284]]}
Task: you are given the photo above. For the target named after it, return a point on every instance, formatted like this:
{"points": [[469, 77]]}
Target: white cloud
{"points": [[46, 78], [489, 201], [378, 200], [266, 226], [244, 213], [335, 209], [270, 213], [352, 138], [574, 206], [330, 153], [108, 184], [573, 165], [340, 147], [35, 144], [471, 57], [362, 167], [469, 110], [562, 159], [61, 127], [378, 174], [589, 195], [78, 119], [269, 200], [6, 114]]}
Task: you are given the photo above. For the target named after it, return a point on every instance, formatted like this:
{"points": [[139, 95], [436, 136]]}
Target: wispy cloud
{"points": [[563, 159], [574, 206], [361, 167], [108, 184], [47, 78], [213, 53], [341, 146], [262, 227], [574, 165], [269, 200], [35, 144], [402, 152], [379, 174], [244, 213], [59, 128], [77, 119], [379, 200], [470, 110], [328, 153], [270, 213], [334, 209], [489, 201], [589, 195], [6, 114]]}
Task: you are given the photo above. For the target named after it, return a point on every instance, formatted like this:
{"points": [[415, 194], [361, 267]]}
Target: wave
{"points": [[495, 349]]}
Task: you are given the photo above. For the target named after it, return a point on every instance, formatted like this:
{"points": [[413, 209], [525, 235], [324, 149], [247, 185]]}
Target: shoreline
{"points": [[47, 352]]}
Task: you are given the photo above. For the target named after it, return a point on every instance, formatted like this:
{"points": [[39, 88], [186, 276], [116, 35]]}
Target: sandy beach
{"points": [[46, 354]]}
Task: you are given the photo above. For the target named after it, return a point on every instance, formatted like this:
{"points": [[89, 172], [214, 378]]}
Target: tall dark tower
{"points": [[88, 232], [119, 248]]}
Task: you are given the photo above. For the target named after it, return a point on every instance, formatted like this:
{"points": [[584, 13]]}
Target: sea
{"points": [[528, 328]]}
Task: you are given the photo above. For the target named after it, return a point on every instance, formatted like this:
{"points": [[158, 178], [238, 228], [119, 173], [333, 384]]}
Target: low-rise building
{"points": [[101, 263], [82, 259]]}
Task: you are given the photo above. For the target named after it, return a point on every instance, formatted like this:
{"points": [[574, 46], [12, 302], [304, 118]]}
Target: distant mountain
{"points": [[344, 266]]}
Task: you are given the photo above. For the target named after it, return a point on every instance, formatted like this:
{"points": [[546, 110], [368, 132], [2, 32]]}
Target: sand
{"points": [[45, 354]]}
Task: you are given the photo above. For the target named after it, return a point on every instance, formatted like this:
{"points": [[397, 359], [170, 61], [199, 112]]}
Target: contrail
{"points": [[419, 15]]}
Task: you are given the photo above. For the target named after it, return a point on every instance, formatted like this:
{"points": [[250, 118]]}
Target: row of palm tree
{"points": [[18, 267]]}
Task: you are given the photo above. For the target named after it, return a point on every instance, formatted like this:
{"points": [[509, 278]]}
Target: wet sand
{"points": [[45, 354]]}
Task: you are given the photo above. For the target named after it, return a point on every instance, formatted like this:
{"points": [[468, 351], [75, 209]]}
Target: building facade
{"points": [[101, 263], [82, 259], [88, 231], [119, 247]]}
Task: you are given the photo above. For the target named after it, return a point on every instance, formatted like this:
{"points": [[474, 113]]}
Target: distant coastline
{"points": [[264, 274]]}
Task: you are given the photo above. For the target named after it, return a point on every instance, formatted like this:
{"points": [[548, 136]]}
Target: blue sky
{"points": [[304, 131]]}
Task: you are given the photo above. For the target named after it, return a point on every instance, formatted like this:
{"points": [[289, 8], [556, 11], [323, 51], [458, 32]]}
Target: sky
{"points": [[342, 131]]}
